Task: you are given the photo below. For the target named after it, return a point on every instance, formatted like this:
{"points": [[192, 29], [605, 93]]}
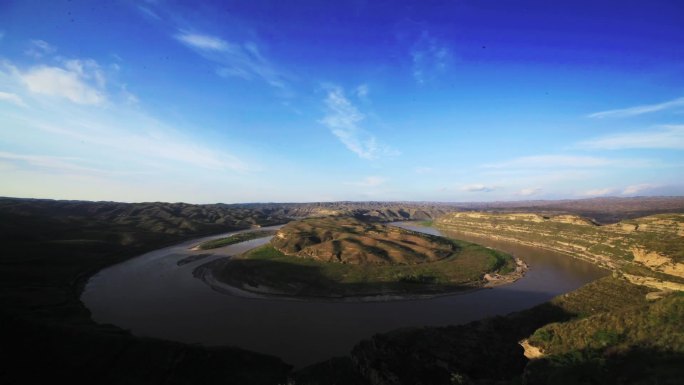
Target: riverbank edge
{"points": [[205, 272]]}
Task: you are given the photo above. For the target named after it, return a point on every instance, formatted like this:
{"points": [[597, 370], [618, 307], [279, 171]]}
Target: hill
{"points": [[349, 240]]}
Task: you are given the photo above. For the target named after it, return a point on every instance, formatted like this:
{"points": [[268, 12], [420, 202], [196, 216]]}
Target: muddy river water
{"points": [[151, 295]]}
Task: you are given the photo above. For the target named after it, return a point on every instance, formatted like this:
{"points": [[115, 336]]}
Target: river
{"points": [[152, 296]]}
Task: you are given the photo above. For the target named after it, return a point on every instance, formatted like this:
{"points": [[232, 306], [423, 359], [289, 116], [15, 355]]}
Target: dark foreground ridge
{"points": [[605, 332]]}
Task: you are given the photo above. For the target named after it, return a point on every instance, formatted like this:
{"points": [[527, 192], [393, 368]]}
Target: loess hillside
{"points": [[652, 246], [349, 240]]}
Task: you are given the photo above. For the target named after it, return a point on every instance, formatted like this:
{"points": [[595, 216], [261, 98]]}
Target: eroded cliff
{"points": [[653, 244]]}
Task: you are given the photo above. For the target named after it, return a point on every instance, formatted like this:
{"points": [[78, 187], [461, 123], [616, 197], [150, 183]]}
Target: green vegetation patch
{"points": [[657, 325], [233, 239], [638, 344]]}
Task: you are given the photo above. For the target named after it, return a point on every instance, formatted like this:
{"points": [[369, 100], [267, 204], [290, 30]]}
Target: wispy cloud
{"points": [[362, 91], [429, 57], [204, 42], [552, 161], [39, 48], [156, 141], [234, 60], [81, 82], [343, 119], [639, 188], [69, 110], [598, 192], [148, 12], [53, 163], [639, 110], [478, 188], [664, 137], [529, 191], [12, 98]]}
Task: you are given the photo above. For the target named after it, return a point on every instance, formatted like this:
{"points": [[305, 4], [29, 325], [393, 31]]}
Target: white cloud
{"points": [[203, 42], [244, 61], [148, 12], [598, 192], [343, 120], [429, 56], [66, 83], [39, 48], [529, 191], [639, 188], [120, 131], [12, 98], [362, 92], [665, 137], [156, 141], [87, 69], [639, 110], [477, 188], [119, 152], [54, 163], [552, 161]]}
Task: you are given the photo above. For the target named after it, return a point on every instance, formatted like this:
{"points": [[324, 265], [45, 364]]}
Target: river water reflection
{"points": [[152, 296]]}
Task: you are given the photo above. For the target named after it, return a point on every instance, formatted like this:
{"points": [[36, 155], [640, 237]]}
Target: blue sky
{"points": [[248, 101]]}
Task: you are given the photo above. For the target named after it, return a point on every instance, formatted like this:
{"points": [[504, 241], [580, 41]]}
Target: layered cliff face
{"points": [[348, 240], [655, 242]]}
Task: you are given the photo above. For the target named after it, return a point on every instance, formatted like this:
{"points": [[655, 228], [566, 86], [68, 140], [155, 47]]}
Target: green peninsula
{"points": [[344, 257]]}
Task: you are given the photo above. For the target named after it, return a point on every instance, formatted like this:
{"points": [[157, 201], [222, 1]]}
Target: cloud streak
{"points": [[639, 188], [429, 56], [234, 60], [71, 83], [203, 42], [69, 109], [39, 48], [477, 188], [54, 163], [598, 192], [552, 161], [156, 141], [12, 98], [639, 110], [529, 191], [665, 137], [343, 119]]}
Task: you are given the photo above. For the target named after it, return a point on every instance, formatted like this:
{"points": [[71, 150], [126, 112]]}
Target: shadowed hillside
{"points": [[628, 340]]}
